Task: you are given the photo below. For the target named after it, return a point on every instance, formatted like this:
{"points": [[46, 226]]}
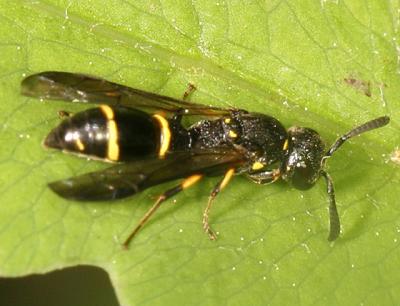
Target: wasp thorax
{"points": [[264, 136], [305, 152]]}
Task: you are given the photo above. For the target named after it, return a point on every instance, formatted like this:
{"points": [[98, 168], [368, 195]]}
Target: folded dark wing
{"points": [[124, 180], [87, 89]]}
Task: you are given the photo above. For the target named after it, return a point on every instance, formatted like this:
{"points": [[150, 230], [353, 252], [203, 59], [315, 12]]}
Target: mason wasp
{"points": [[143, 133]]}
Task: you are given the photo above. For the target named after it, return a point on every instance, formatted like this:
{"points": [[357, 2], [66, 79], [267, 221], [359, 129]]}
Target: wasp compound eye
{"points": [[303, 162]]}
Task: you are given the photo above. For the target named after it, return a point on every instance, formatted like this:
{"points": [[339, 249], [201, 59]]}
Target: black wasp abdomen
{"points": [[112, 133], [138, 133]]}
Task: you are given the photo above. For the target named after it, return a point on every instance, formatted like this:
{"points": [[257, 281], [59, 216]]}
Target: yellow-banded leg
{"points": [[189, 181], [266, 177], [221, 185]]}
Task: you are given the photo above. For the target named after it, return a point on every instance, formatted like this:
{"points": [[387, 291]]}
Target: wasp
{"points": [[144, 134]]}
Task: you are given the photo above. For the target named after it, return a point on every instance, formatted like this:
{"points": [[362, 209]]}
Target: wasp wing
{"points": [[124, 180], [88, 89]]}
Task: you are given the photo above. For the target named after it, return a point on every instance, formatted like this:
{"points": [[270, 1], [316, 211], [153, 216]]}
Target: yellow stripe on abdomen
{"points": [[113, 147], [165, 139], [112, 128]]}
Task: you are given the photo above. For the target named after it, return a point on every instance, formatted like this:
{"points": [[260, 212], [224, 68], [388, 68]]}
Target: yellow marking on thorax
{"points": [[79, 144], [227, 120], [113, 147], [286, 145], [191, 180], [232, 134], [257, 166], [165, 135], [228, 176]]}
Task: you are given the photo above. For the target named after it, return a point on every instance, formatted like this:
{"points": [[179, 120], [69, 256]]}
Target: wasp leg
{"points": [[166, 195], [266, 177], [334, 221], [177, 118], [221, 185], [191, 88], [63, 114]]}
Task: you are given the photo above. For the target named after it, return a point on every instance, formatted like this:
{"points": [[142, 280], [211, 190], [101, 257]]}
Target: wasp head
{"points": [[303, 161]]}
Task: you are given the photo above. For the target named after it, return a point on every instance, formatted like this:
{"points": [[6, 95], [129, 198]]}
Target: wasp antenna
{"points": [[334, 221], [368, 126]]}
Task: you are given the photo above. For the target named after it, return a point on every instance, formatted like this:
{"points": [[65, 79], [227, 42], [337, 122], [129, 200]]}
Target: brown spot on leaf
{"points": [[360, 85]]}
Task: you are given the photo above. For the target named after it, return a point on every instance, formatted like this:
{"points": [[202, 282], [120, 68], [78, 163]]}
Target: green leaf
{"points": [[326, 64]]}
